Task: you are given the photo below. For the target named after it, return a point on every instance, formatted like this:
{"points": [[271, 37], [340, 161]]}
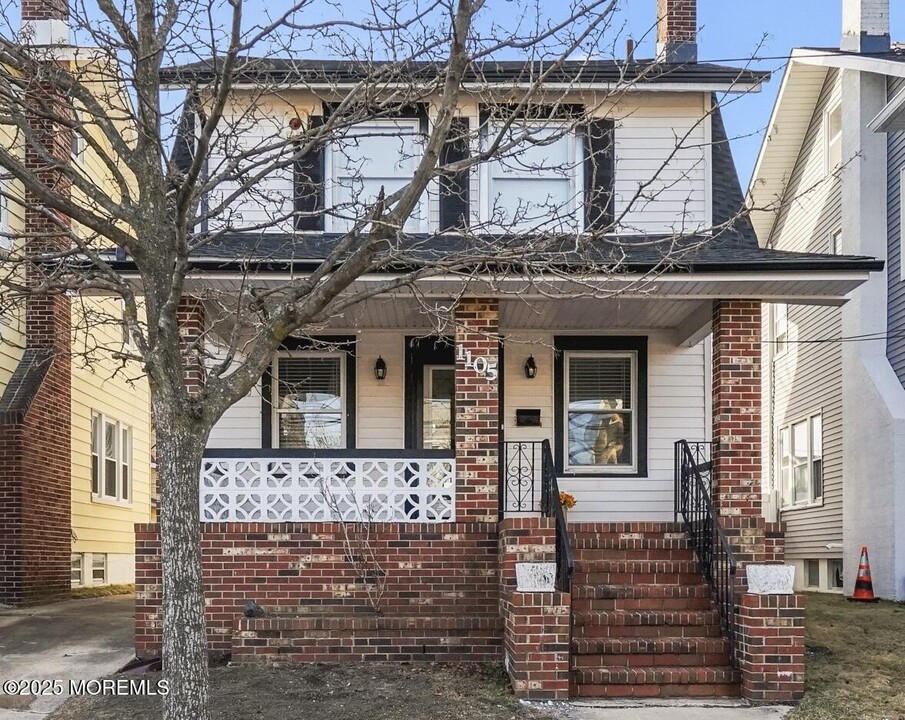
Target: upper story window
{"points": [[779, 327], [111, 459], [6, 240], [308, 400], [367, 157], [535, 185], [836, 242], [800, 461], [832, 131]]}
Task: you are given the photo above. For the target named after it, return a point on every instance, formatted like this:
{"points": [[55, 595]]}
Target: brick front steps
{"points": [[643, 623], [339, 638]]}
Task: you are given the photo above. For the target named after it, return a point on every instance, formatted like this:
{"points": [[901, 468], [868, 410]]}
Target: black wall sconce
{"points": [[530, 368], [380, 369]]}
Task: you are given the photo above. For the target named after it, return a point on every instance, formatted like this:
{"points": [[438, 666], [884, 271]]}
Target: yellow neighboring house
{"points": [[109, 469]]}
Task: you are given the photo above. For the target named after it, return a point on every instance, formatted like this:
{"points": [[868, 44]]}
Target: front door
{"points": [[430, 381]]}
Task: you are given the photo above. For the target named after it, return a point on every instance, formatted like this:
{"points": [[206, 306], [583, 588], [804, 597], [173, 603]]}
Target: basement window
{"points": [[835, 579], [76, 577], [812, 573], [98, 568]]}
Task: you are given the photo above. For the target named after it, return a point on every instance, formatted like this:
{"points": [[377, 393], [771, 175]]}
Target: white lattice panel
{"points": [[328, 489]]}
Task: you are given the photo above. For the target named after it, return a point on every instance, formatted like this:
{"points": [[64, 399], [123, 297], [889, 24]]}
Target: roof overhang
{"points": [[799, 287]]}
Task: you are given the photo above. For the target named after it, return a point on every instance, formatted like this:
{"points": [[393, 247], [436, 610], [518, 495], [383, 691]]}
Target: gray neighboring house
{"points": [[829, 178]]}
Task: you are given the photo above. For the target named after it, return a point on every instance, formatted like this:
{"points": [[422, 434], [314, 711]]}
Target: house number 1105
{"points": [[481, 365]]}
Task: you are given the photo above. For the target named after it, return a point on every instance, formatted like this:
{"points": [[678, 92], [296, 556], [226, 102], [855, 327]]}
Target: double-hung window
{"points": [[800, 461], [536, 182], [111, 459], [367, 157], [600, 410], [308, 401]]}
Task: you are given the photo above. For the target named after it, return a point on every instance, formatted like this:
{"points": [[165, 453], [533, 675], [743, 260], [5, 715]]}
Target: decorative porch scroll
{"points": [[419, 490]]}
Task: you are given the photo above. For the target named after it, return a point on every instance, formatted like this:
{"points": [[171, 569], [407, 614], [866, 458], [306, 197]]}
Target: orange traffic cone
{"points": [[864, 588]]}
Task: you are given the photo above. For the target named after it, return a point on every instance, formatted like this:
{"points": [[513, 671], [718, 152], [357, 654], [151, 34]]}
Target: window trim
{"points": [[830, 141], [576, 152], [836, 242], [101, 496], [786, 487], [592, 344], [333, 224], [345, 344]]}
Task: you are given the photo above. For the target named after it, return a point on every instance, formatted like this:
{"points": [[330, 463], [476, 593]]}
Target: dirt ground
{"points": [[855, 660], [340, 692]]}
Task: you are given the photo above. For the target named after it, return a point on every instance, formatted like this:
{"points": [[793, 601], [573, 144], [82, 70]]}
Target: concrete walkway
{"points": [[75, 640], [670, 710]]}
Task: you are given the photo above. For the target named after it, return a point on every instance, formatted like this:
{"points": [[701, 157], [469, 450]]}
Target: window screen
{"points": [[308, 402], [600, 391]]}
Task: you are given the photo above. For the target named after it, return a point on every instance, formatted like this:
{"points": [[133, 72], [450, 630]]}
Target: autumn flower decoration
{"points": [[567, 500]]}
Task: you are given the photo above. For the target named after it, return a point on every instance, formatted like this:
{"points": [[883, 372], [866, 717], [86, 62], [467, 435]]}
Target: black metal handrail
{"points": [[714, 553], [552, 507]]}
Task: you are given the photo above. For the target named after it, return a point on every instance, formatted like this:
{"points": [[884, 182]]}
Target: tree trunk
{"points": [[180, 447]]}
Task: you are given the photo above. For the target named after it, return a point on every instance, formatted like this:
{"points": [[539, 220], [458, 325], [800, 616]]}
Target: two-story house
{"points": [[75, 456], [446, 417], [829, 179]]}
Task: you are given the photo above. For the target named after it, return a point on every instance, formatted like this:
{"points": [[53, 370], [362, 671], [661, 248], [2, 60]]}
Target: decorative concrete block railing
{"points": [[353, 486]]}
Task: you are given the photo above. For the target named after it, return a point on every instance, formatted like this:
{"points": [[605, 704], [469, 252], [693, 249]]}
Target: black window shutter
{"points": [[309, 186], [454, 189], [599, 174]]}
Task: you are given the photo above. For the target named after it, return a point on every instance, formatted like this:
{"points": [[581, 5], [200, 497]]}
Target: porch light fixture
{"points": [[380, 369], [530, 368]]}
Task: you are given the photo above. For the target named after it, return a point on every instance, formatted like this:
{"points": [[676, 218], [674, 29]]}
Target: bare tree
{"points": [[162, 184]]}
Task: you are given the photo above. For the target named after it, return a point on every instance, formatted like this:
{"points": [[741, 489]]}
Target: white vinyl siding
{"points": [[662, 158], [368, 157], [536, 185], [808, 376]]}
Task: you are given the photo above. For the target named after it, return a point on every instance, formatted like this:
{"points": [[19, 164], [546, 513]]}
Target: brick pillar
{"points": [[35, 408], [538, 624], [190, 316], [771, 647], [477, 410], [737, 425]]}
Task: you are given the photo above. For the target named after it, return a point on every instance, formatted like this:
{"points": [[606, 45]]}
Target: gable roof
{"points": [[792, 114], [577, 73]]}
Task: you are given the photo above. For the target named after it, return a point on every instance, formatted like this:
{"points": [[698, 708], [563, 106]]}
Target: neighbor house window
{"points": [[308, 401], [536, 184], [779, 327], [836, 242], [111, 459], [98, 568], [832, 128], [368, 157], [800, 460], [600, 391], [75, 569], [812, 573], [6, 241], [834, 570]]}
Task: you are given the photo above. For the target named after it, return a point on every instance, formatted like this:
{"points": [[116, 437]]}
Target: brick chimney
{"points": [[677, 31], [45, 22], [35, 405], [865, 26]]}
